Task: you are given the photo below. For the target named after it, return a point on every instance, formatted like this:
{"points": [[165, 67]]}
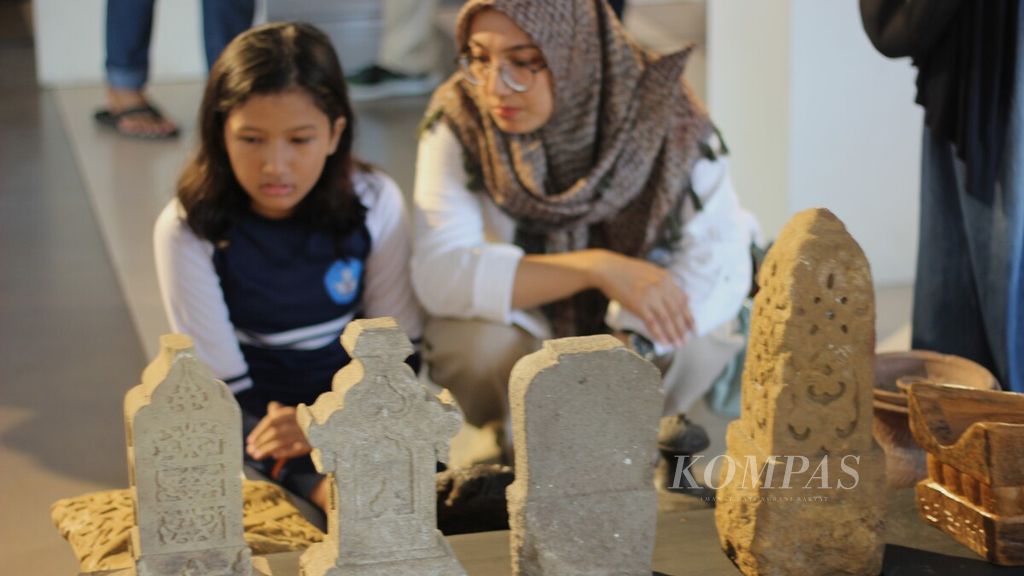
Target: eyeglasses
{"points": [[517, 75]]}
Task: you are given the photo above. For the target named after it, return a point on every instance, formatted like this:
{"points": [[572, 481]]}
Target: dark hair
{"points": [[265, 60]]}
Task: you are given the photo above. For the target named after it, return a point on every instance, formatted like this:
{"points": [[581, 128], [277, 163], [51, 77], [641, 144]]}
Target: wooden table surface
{"points": [[687, 544]]}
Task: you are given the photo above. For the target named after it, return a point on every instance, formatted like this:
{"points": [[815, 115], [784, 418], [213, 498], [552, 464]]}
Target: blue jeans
{"points": [[958, 303], [969, 293], [968, 290], [130, 26], [1013, 182]]}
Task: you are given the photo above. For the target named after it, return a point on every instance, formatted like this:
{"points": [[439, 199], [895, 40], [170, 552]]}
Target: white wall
{"points": [[816, 117], [855, 135], [748, 95], [70, 47]]}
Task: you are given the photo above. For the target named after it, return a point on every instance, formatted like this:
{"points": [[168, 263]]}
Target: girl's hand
{"points": [[278, 435], [647, 290]]}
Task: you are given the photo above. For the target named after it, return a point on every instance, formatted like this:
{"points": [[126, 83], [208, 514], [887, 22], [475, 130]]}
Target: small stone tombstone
{"points": [[585, 423], [185, 465], [379, 434], [802, 486]]}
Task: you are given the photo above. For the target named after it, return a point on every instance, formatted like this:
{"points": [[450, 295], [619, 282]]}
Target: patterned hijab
{"points": [[611, 166]]}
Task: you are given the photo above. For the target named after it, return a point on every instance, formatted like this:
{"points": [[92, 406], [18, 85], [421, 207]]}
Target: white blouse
{"points": [[464, 262]]}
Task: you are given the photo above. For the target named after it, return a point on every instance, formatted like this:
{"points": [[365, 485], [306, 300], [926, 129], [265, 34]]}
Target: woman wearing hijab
{"points": [[567, 184]]}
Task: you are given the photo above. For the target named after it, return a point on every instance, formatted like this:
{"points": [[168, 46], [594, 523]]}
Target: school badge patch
{"points": [[342, 280]]}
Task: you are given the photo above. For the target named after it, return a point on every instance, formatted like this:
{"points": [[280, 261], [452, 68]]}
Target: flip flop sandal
{"points": [[113, 121]]}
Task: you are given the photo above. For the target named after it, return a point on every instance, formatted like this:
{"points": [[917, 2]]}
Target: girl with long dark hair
{"points": [[278, 237]]}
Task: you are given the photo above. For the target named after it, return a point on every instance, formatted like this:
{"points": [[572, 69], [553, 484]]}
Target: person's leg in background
{"points": [[222, 21], [693, 370], [473, 360], [947, 313], [407, 58], [1013, 188], [967, 294], [129, 26]]}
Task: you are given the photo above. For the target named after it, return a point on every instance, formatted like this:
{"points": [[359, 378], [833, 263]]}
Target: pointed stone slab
{"points": [[801, 489], [585, 422], [378, 435], [185, 464]]}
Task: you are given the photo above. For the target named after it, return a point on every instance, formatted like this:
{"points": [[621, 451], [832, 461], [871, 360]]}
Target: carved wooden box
{"points": [[975, 486]]}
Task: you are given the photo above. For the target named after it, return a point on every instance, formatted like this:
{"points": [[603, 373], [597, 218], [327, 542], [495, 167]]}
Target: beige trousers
{"points": [[474, 358]]}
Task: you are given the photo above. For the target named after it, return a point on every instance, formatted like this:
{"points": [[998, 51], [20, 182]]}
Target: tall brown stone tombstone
{"points": [[185, 466], [585, 423], [378, 435], [801, 489]]}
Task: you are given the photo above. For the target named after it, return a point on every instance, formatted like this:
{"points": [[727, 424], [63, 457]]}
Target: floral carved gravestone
{"points": [[185, 466], [378, 434]]}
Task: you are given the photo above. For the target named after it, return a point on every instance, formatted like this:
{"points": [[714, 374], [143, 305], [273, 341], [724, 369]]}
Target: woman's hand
{"points": [[647, 290], [278, 435]]}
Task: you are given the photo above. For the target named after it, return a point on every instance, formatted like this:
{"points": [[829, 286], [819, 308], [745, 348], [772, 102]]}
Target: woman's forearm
{"points": [[643, 288], [545, 278]]}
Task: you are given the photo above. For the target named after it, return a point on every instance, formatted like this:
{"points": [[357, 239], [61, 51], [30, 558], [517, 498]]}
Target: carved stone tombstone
{"points": [[185, 466], [801, 491], [585, 421], [378, 435]]}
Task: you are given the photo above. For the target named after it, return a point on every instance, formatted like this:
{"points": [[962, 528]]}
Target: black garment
{"points": [[619, 6], [965, 53]]}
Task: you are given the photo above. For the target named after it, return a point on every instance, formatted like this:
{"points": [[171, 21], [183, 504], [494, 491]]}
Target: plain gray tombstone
{"points": [[585, 423]]}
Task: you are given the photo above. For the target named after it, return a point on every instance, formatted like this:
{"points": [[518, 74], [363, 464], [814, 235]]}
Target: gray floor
{"points": [[68, 348], [79, 309]]}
